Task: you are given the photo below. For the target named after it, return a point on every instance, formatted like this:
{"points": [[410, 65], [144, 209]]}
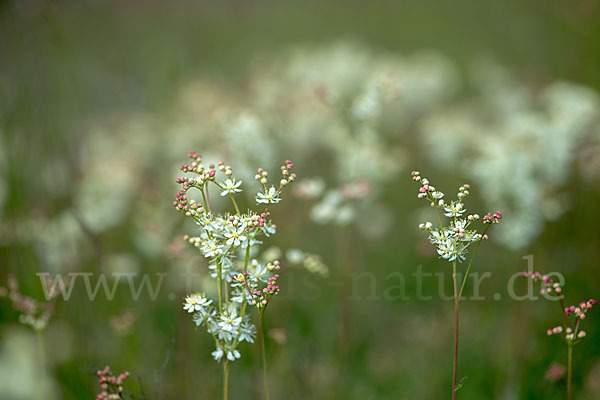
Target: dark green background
{"points": [[63, 64]]}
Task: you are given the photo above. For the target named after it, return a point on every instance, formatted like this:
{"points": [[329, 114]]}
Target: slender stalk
{"points": [[456, 302], [220, 287], [569, 369], [462, 287], [439, 218], [564, 314], [576, 330], [206, 198], [262, 348], [225, 380], [237, 209]]}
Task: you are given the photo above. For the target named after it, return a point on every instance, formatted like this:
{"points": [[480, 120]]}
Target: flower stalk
{"points": [[456, 304], [569, 369], [453, 243], [262, 349], [569, 332], [225, 380], [225, 240]]}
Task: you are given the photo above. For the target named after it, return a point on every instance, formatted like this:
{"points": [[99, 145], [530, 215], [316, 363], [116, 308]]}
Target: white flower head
{"points": [[247, 332], [270, 196], [454, 209], [230, 186], [217, 354], [232, 355], [195, 302], [235, 236], [211, 248]]}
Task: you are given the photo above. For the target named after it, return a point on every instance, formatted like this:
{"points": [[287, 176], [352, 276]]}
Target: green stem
{"points": [[247, 257], [456, 303], [245, 303], [439, 218], [464, 281], [204, 202], [237, 210], [225, 380], [262, 348], [206, 198], [569, 369], [220, 287]]}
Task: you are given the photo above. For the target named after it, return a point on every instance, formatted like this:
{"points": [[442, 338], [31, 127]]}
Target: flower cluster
{"points": [[582, 309], [452, 241], [228, 327], [571, 333], [33, 312], [248, 286], [225, 240], [494, 218], [270, 195], [548, 285], [112, 386], [181, 201]]}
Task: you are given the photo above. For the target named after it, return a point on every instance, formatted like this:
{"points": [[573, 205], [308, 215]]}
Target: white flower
{"points": [[269, 197], [225, 264], [232, 355], [217, 354], [460, 224], [195, 302], [230, 322], [206, 221], [436, 236], [204, 315], [211, 248], [247, 332], [238, 295], [231, 187], [250, 241], [451, 251], [454, 209], [268, 229], [258, 272], [446, 249], [235, 236], [471, 236]]}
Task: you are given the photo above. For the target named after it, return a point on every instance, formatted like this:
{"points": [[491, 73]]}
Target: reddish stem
{"points": [[455, 365]]}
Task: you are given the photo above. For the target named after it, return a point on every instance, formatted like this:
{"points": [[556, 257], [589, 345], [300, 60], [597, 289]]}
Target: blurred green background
{"points": [[100, 102]]}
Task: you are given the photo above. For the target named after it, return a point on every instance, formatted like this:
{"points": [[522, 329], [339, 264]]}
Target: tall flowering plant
{"points": [[454, 241], [572, 316], [226, 240]]}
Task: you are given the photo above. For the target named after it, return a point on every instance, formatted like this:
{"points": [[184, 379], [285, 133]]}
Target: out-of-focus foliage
{"points": [[98, 102]]}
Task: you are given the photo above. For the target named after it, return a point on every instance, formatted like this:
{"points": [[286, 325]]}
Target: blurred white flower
{"points": [[517, 145]]}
